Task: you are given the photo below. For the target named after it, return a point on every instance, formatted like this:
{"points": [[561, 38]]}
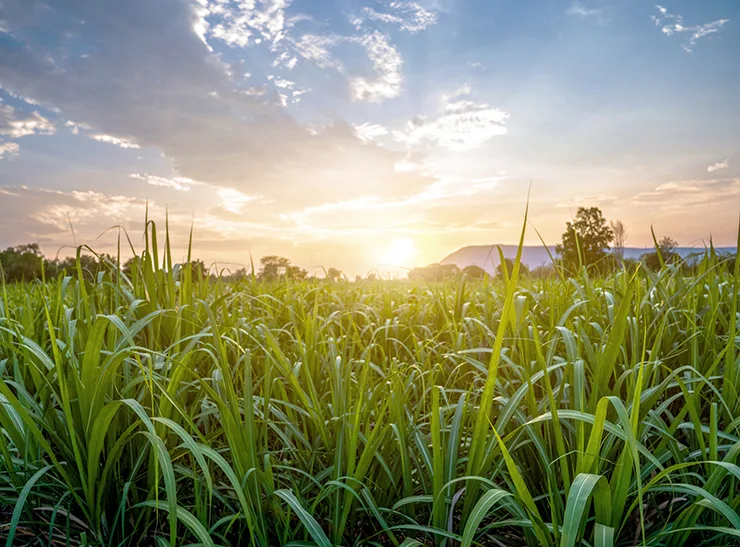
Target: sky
{"points": [[365, 134]]}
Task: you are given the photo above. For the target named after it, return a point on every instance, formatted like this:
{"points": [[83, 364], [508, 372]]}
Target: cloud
{"points": [[407, 16], [314, 48], [149, 80], [682, 195], [234, 200], [39, 214], [182, 184], [461, 124], [579, 10], [370, 131], [16, 124], [117, 141], [719, 165], [247, 21], [387, 64], [671, 24], [8, 150]]}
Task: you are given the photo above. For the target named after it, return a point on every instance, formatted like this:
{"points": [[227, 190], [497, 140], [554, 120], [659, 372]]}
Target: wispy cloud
{"points": [[719, 165], [233, 200], [689, 194], [670, 24], [407, 16], [461, 124], [112, 139], [16, 124], [387, 64], [370, 131], [242, 23], [581, 11], [82, 206], [183, 184], [8, 150]]}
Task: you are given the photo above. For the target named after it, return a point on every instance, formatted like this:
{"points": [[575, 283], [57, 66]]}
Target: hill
{"points": [[487, 256]]}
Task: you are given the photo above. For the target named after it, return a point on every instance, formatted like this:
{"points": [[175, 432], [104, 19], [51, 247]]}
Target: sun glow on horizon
{"points": [[401, 252]]}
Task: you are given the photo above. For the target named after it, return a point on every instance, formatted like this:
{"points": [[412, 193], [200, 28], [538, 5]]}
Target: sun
{"points": [[400, 252]]}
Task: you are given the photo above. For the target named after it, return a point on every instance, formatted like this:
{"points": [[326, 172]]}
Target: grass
{"points": [[164, 408]]}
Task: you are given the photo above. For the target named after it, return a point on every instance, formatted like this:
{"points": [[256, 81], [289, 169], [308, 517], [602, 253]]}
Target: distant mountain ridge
{"points": [[487, 256]]}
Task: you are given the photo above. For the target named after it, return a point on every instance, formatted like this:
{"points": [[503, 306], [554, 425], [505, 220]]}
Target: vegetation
{"points": [[164, 407], [585, 240], [664, 253]]}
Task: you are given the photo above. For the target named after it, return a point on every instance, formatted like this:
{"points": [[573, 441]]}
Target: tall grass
{"points": [[165, 408]]}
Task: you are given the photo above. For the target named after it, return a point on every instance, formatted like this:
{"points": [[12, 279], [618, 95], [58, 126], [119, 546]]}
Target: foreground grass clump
{"points": [[161, 408]]}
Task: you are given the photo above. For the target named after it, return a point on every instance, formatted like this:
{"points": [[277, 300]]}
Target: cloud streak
{"points": [[461, 124], [718, 166], [671, 24]]}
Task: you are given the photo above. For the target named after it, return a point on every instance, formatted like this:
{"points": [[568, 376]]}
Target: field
{"points": [[164, 408]]}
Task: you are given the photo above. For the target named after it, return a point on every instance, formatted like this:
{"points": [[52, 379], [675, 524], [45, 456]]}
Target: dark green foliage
{"points": [[164, 407], [586, 240], [665, 252]]}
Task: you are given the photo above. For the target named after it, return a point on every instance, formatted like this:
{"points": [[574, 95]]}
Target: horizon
{"points": [[366, 134]]}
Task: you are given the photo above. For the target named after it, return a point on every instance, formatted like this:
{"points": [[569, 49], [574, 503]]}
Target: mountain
{"points": [[487, 256]]}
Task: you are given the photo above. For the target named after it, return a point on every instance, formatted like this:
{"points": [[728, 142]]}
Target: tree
{"points": [[620, 237], [474, 272], [667, 247], [585, 240], [523, 269], [21, 263], [334, 274], [435, 272], [295, 273], [273, 267]]}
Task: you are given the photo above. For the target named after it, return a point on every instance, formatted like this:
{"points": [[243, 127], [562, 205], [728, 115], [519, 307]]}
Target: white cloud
{"points": [[182, 184], [689, 194], [16, 124], [233, 200], [579, 10], [8, 150], [671, 24], [462, 124], [370, 131], [75, 127], [83, 206], [408, 16], [387, 64], [242, 23], [111, 139], [719, 165], [153, 83], [314, 48]]}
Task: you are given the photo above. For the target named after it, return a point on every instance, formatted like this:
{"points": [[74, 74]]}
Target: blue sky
{"points": [[366, 133]]}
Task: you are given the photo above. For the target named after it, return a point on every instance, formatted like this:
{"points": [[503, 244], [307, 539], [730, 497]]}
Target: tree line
{"points": [[26, 262], [588, 241]]}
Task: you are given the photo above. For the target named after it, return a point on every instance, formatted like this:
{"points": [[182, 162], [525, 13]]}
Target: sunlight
{"points": [[401, 252]]}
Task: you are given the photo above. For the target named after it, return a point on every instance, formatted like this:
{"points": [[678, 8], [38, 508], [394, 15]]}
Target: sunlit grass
{"points": [[167, 408]]}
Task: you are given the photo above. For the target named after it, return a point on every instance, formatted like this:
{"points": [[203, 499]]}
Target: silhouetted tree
{"points": [[620, 238], [667, 248], [21, 263], [585, 240], [334, 274], [523, 268], [295, 272], [474, 272], [273, 267], [435, 272]]}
